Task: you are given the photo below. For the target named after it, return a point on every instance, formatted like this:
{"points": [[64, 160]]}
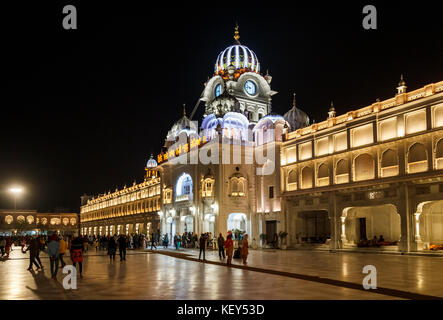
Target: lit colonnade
{"points": [[131, 210], [370, 172]]}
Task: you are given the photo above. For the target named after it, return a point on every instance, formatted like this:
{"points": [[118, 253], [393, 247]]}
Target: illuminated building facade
{"points": [[191, 196], [370, 172], [31, 222], [376, 171], [127, 211]]}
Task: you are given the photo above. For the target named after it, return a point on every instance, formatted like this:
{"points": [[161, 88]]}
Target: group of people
{"points": [[226, 246], [189, 240], [120, 242], [55, 246]]}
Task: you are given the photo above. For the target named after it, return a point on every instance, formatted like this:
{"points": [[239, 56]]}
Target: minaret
{"points": [[401, 86], [331, 112]]}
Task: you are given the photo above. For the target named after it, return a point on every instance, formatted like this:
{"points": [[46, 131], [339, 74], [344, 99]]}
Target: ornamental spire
{"points": [[184, 109], [294, 102], [236, 34]]}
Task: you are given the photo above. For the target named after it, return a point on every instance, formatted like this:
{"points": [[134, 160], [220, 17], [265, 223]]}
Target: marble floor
{"points": [[415, 274], [147, 275]]}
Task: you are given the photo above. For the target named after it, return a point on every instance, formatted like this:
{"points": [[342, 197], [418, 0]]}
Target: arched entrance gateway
{"points": [[429, 225], [313, 227], [361, 224], [237, 222]]}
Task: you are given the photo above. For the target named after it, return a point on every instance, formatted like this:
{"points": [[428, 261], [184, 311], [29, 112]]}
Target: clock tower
{"points": [[237, 84]]}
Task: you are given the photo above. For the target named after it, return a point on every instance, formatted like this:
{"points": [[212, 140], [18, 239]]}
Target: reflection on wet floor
{"points": [[155, 276]]}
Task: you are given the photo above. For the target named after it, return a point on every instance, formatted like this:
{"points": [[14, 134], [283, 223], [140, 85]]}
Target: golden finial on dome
{"points": [[184, 109], [293, 101], [236, 34]]}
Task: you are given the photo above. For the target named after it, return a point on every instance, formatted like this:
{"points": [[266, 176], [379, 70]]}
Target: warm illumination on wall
{"points": [[415, 121], [387, 129], [305, 150], [361, 136]]}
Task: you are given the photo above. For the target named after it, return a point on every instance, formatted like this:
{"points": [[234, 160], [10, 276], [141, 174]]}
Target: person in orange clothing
{"points": [[63, 247], [245, 249], [229, 247]]}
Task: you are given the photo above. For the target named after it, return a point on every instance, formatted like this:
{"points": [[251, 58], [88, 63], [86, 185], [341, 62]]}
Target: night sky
{"points": [[83, 109]]}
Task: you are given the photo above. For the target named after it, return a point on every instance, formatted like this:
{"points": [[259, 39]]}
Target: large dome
{"points": [[241, 57]]}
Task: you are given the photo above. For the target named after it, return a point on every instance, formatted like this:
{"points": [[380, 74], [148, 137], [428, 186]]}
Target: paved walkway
{"points": [[154, 276], [271, 274], [415, 274]]}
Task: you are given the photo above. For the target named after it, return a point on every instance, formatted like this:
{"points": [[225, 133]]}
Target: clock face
{"points": [[218, 90], [250, 87]]}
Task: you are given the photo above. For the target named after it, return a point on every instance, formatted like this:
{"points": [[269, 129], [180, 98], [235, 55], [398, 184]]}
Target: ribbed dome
{"points": [[296, 118], [241, 57], [151, 163]]}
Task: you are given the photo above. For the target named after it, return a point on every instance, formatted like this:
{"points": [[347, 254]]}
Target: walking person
{"points": [[165, 241], [221, 246], [53, 253], [177, 241], [77, 248], [8, 246], [63, 247], [122, 243], [245, 249], [153, 240], [112, 248], [229, 246], [2, 245], [202, 246], [33, 249]]}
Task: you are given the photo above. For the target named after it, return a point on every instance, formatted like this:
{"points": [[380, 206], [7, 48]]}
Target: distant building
{"points": [[30, 222]]}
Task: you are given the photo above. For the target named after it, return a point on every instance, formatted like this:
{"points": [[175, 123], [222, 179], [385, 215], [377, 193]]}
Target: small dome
{"points": [[296, 118], [151, 163], [179, 126]]}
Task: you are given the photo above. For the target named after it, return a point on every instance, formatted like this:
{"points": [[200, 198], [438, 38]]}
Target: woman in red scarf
{"points": [[229, 246]]}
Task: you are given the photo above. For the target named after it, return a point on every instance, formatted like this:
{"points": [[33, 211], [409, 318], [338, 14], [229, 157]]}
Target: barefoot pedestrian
{"points": [[221, 246], [245, 249], [229, 246]]}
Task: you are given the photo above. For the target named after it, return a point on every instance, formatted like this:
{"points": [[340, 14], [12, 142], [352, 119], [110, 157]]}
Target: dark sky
{"points": [[83, 109]]}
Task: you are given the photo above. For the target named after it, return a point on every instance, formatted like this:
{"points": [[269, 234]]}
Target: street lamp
{"points": [[16, 191]]}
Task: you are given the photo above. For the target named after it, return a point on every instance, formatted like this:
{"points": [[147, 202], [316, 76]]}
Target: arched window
{"points": [[207, 187], [342, 171], [237, 186], [306, 178], [389, 163], [439, 155], [292, 180], [363, 167], [323, 175], [417, 158], [183, 189]]}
